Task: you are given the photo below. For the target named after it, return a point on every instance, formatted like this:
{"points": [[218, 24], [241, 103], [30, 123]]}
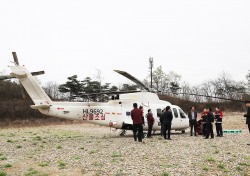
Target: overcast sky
{"points": [[196, 39]]}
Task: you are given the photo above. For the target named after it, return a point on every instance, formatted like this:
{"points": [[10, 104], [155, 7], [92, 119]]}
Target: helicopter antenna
{"points": [[151, 60]]}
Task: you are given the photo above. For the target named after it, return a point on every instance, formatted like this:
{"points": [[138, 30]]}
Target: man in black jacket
{"points": [[247, 115], [167, 118], [209, 124], [192, 115]]}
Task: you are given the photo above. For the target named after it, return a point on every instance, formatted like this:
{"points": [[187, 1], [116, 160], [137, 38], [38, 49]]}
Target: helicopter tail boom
{"points": [[30, 84]]}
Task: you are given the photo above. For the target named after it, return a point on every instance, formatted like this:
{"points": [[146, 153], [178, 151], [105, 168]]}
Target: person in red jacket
{"points": [[218, 121], [204, 119], [151, 121], [136, 115]]}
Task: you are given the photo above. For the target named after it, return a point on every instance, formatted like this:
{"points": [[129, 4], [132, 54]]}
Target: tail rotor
{"points": [[16, 62], [21, 86]]}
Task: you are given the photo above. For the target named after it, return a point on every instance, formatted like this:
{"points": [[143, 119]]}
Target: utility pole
{"points": [[151, 67], [98, 76]]}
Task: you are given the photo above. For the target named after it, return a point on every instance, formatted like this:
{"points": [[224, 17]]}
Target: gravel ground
{"points": [[84, 149]]}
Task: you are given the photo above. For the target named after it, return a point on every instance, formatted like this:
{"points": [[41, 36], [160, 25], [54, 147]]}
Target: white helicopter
{"points": [[115, 113]]}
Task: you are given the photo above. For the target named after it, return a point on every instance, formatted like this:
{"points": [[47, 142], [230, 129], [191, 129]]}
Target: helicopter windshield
{"points": [[182, 114]]}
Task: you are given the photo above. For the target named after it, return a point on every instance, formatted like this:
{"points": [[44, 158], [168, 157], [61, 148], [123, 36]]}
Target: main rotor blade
{"points": [[37, 73], [132, 78], [15, 58], [208, 96], [110, 93]]}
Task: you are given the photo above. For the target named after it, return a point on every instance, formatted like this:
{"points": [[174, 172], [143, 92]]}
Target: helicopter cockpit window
{"points": [[158, 112], [182, 114], [175, 112], [128, 113]]}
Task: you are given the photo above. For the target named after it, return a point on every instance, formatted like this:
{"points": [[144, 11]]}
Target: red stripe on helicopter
{"points": [[60, 108], [107, 113]]}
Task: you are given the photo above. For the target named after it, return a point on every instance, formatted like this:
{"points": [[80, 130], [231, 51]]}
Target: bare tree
{"points": [[248, 81], [51, 88], [160, 79], [186, 89]]}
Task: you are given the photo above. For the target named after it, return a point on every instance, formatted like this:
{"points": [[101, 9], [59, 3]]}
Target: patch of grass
{"points": [[216, 151], [11, 135], [8, 165], [18, 146], [121, 159], [165, 173], [115, 155], [244, 174], [59, 147], [76, 157], [83, 171], [114, 161], [221, 166], [244, 164], [120, 173], [92, 151], [210, 159], [10, 141], [3, 158], [98, 164], [231, 159], [43, 164], [3, 173], [61, 164], [205, 168], [238, 168], [225, 170], [37, 138], [173, 165], [31, 172]]}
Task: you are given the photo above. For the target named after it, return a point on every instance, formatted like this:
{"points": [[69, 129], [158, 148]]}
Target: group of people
{"points": [[138, 122], [137, 116], [208, 118]]}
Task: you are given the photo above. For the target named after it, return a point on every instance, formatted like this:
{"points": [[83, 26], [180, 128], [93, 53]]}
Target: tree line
{"points": [[223, 86], [162, 83], [83, 90]]}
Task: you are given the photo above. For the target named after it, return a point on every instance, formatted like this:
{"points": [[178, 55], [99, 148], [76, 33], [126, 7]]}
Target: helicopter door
{"points": [[157, 119], [183, 116], [176, 119]]}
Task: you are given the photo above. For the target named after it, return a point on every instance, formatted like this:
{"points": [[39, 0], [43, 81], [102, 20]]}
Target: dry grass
{"points": [[84, 149]]}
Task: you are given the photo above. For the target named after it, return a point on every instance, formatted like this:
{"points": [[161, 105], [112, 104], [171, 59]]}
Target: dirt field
{"points": [[84, 149]]}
